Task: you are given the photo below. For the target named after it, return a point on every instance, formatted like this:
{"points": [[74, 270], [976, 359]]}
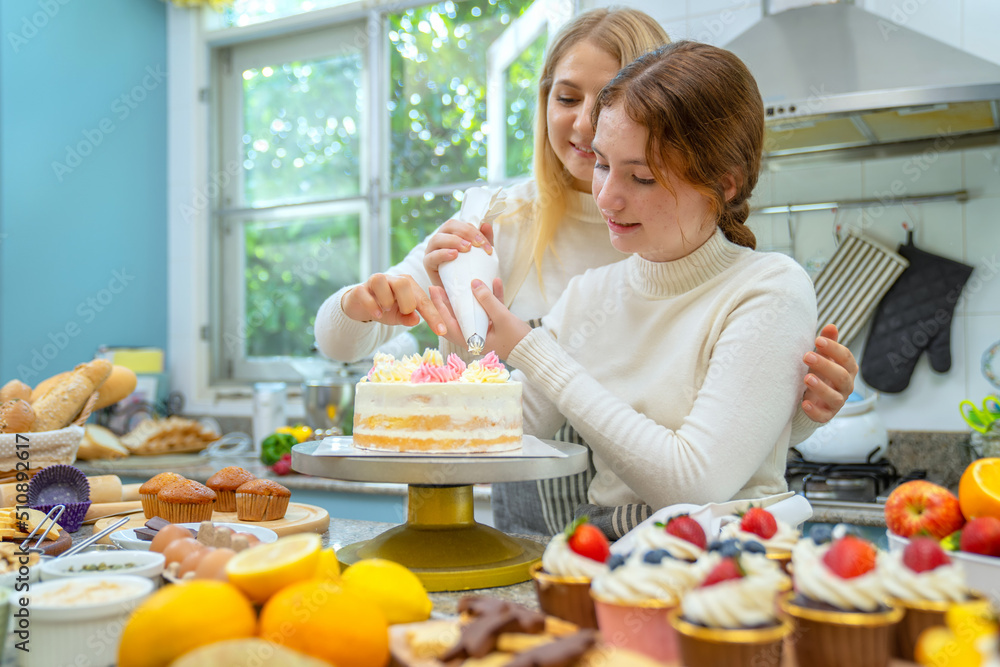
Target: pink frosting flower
{"points": [[491, 361], [455, 362], [428, 373]]}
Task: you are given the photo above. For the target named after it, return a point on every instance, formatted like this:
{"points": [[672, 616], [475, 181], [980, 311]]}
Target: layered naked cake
{"points": [[423, 404]]}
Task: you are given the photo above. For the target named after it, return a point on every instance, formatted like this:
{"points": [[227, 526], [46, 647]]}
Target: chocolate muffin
{"points": [[261, 500], [186, 501], [148, 491], [224, 483]]}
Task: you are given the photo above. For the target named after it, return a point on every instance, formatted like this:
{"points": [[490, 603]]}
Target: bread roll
{"points": [[63, 402], [16, 417], [43, 387], [119, 385], [15, 389], [100, 443]]}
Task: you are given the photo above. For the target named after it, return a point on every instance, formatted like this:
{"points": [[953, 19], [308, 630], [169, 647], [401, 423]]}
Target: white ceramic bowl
{"points": [[9, 579], [982, 573], [143, 564], [65, 634], [126, 538]]}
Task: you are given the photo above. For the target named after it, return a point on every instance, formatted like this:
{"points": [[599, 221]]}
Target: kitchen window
{"points": [[342, 152]]}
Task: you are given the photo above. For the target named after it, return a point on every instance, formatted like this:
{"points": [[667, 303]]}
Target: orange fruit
{"points": [[979, 489], [321, 619], [177, 619]]}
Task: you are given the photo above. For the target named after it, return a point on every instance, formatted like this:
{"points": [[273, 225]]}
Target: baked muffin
{"points": [[186, 501], [148, 491], [261, 500], [224, 483]]}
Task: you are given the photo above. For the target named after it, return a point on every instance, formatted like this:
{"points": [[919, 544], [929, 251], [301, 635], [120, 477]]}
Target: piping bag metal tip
{"points": [[476, 344]]}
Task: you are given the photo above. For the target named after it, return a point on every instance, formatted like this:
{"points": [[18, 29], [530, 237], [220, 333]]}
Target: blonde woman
{"points": [[552, 231]]}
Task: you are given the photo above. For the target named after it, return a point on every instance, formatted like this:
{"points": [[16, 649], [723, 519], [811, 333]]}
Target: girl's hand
{"points": [[392, 300], [505, 331], [454, 237], [831, 378]]}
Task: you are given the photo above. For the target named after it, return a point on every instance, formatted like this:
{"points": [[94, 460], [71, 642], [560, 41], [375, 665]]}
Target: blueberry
{"points": [[754, 547], [730, 549], [655, 556], [821, 533], [616, 560], [715, 545]]}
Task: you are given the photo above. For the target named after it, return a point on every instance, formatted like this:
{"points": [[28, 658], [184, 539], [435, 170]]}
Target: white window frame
{"points": [[195, 175]]}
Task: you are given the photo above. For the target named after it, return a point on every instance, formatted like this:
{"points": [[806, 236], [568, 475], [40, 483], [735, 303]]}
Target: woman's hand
{"points": [[392, 300], [454, 237], [506, 329], [831, 378]]}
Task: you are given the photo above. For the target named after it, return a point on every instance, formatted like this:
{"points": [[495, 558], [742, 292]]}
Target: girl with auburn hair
{"points": [[551, 232], [687, 411]]}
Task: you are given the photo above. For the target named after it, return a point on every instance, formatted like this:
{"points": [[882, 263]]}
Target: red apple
{"points": [[982, 536], [921, 507]]}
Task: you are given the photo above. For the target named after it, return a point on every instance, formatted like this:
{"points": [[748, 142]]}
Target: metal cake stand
{"points": [[441, 541]]}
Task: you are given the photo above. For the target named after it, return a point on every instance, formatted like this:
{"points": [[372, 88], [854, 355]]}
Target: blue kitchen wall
{"points": [[83, 159]]}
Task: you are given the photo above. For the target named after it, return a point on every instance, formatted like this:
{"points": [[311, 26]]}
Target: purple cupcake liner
{"points": [[72, 517], [58, 485]]}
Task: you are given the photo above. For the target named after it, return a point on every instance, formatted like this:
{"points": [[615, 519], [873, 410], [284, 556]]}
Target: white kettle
{"points": [[855, 435]]}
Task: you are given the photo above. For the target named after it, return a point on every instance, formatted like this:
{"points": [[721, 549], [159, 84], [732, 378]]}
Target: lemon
{"points": [[321, 619], [399, 593], [329, 567], [177, 619], [263, 570], [971, 620]]}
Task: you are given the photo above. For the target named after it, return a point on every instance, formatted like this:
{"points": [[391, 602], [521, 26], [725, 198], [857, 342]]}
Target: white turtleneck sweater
{"points": [[581, 242], [683, 377]]}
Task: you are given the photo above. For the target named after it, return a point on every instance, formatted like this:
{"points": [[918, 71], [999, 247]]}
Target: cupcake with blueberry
{"points": [[729, 618], [681, 535], [633, 599], [570, 562], [839, 605], [759, 525], [924, 582], [754, 558]]}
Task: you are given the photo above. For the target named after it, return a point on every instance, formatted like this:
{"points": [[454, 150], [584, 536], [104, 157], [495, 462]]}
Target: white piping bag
{"points": [[481, 204]]}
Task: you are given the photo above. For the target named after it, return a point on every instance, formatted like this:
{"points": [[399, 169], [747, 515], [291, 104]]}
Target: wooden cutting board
{"points": [[300, 518], [51, 547]]}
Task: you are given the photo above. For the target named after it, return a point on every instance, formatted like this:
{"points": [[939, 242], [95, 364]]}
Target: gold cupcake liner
{"points": [[918, 616], [225, 501], [567, 598], [186, 512], [150, 505], [725, 647], [259, 507]]}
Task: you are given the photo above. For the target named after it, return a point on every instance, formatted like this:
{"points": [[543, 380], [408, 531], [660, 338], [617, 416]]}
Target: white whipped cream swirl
{"points": [[561, 561], [656, 537], [783, 540], [738, 603], [814, 580], [943, 583], [637, 581]]}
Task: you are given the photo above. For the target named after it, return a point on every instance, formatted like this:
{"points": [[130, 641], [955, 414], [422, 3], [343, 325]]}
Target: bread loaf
{"points": [[119, 385], [15, 389], [16, 417], [63, 402], [45, 385], [100, 443]]}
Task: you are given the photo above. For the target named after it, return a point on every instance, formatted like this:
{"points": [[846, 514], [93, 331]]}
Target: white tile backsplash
{"points": [[982, 335], [822, 183], [940, 19], [979, 28], [719, 27], [927, 172], [982, 171], [982, 251]]}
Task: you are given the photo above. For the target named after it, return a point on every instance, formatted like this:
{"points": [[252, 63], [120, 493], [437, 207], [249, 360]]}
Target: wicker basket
{"points": [[44, 448]]}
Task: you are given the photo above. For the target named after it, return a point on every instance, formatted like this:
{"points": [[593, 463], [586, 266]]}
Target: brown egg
{"points": [[166, 535], [180, 549], [213, 565], [193, 560], [252, 540]]}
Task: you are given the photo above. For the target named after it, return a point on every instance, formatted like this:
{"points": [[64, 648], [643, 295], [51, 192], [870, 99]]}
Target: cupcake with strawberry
{"points": [[924, 582], [730, 619], [759, 525], [839, 604], [681, 535], [570, 562]]}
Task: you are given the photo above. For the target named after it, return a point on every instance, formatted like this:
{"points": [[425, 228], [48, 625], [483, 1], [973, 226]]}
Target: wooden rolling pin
{"points": [[98, 510], [103, 489]]}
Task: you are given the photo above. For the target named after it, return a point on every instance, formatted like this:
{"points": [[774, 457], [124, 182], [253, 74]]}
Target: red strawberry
{"points": [[587, 540], [726, 570], [923, 554], [760, 522], [850, 557], [688, 529], [982, 536]]}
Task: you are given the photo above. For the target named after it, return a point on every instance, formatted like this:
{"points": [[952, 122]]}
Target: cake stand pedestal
{"points": [[441, 541]]}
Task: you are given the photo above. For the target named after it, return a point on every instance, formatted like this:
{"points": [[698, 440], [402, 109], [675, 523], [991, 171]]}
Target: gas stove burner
{"points": [[850, 482]]}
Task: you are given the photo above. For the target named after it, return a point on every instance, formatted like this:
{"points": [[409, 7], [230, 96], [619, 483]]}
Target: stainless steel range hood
{"points": [[836, 76]]}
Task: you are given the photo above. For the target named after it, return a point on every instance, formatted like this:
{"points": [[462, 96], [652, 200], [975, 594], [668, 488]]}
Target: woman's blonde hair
{"points": [[705, 122], [624, 34]]}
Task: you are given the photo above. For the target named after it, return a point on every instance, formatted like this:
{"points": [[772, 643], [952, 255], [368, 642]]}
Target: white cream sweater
{"points": [[683, 377]]}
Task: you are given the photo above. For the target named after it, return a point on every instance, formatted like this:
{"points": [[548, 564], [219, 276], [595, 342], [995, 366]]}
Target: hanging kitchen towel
{"points": [[914, 316], [860, 272]]}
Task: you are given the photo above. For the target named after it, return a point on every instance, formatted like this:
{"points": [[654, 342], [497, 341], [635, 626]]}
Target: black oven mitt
{"points": [[914, 315]]}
